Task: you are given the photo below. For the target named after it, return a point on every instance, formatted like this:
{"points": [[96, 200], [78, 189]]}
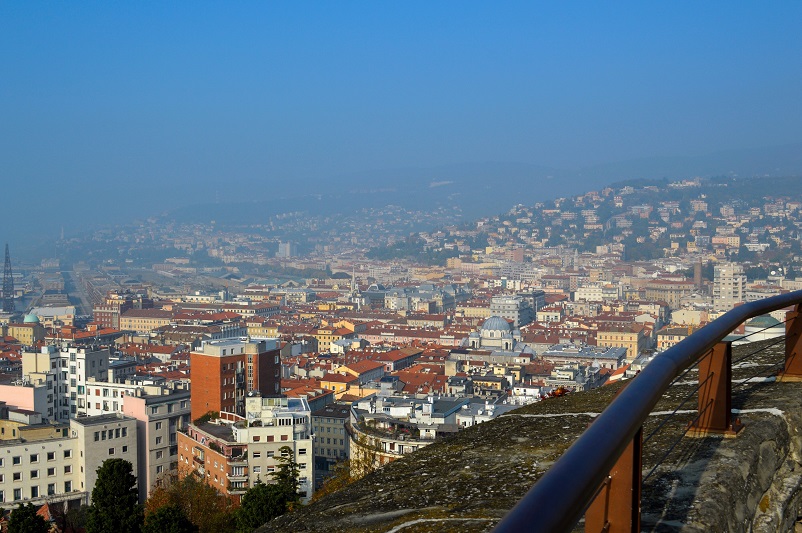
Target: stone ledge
{"points": [[469, 481]]}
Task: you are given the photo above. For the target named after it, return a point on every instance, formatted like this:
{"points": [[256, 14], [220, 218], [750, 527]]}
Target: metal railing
{"points": [[613, 442]]}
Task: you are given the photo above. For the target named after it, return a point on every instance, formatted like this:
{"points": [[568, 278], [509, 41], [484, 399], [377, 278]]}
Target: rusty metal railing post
{"points": [[616, 508], [715, 394], [793, 346]]}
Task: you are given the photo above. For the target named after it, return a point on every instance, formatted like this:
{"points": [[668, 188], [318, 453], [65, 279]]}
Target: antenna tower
{"points": [[8, 285]]}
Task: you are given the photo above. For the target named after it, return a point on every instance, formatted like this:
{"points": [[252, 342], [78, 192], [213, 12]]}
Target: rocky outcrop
{"points": [[468, 482]]}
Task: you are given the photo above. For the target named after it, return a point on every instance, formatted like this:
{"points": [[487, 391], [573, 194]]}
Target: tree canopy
{"points": [[168, 519], [115, 500], [261, 503], [25, 520], [207, 510]]}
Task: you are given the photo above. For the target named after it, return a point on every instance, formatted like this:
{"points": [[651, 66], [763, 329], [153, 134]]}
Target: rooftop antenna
{"points": [[8, 285]]}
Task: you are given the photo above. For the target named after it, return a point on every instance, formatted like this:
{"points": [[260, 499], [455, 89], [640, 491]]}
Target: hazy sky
{"points": [[122, 102]]}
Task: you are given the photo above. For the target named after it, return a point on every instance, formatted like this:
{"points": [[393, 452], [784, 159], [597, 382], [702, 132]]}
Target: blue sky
{"points": [[192, 99]]}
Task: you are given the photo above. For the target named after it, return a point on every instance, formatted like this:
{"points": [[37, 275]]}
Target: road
{"points": [[76, 293]]}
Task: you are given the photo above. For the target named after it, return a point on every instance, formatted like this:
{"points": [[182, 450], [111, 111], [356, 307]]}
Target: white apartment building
{"points": [[729, 286], [273, 423], [65, 372], [57, 462]]}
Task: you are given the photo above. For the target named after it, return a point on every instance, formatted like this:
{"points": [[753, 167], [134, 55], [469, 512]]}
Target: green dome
{"points": [[30, 319], [763, 321]]}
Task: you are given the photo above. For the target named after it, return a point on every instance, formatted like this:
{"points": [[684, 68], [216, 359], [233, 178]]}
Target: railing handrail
{"points": [[559, 498]]}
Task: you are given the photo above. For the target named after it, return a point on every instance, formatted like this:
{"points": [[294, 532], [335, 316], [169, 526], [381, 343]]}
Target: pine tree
{"points": [[115, 500], [25, 520], [260, 504]]}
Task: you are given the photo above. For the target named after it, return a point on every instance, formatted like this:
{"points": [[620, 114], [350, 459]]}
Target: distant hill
{"points": [[484, 188]]}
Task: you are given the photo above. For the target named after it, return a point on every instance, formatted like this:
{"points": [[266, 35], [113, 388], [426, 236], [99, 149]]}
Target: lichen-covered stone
{"points": [[469, 481]]}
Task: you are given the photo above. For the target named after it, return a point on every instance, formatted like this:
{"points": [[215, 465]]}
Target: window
{"points": [[158, 425], [117, 433], [17, 494], [68, 469], [34, 491], [67, 454], [125, 432], [51, 471], [301, 451], [159, 469], [158, 440], [154, 410], [125, 449], [257, 469], [16, 476], [51, 489], [34, 457], [159, 454], [257, 455], [97, 436], [34, 474], [16, 460], [68, 486], [51, 456], [111, 451]]}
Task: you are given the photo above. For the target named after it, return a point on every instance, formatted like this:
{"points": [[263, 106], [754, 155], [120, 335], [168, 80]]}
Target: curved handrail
{"points": [[553, 504]]}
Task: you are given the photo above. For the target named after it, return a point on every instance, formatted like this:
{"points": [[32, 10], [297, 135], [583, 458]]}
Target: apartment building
{"points": [[57, 462], [729, 286], [224, 371], [232, 452]]}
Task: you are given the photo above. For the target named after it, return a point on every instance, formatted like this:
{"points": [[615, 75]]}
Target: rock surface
{"points": [[469, 481]]}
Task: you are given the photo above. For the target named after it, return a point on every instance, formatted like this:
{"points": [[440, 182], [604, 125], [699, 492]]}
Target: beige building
{"points": [[633, 338], [670, 336], [57, 463], [669, 291], [144, 320], [102, 437], [160, 413], [27, 333]]}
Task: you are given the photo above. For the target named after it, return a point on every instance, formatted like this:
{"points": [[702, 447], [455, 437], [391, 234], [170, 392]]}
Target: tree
{"points": [[168, 519], [115, 500], [25, 520], [287, 472], [262, 503], [200, 503]]}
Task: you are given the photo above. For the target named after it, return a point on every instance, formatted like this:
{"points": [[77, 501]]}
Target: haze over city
{"points": [[370, 266], [128, 109]]}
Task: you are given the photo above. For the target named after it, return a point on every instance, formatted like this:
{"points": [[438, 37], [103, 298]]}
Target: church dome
{"points": [[763, 321], [496, 323], [30, 319]]}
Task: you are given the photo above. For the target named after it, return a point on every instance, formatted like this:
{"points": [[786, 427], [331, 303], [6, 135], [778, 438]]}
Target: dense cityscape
{"points": [[375, 267], [307, 352]]}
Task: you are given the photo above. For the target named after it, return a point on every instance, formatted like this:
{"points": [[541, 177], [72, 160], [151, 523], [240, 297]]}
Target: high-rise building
{"points": [[224, 371], [729, 286]]}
